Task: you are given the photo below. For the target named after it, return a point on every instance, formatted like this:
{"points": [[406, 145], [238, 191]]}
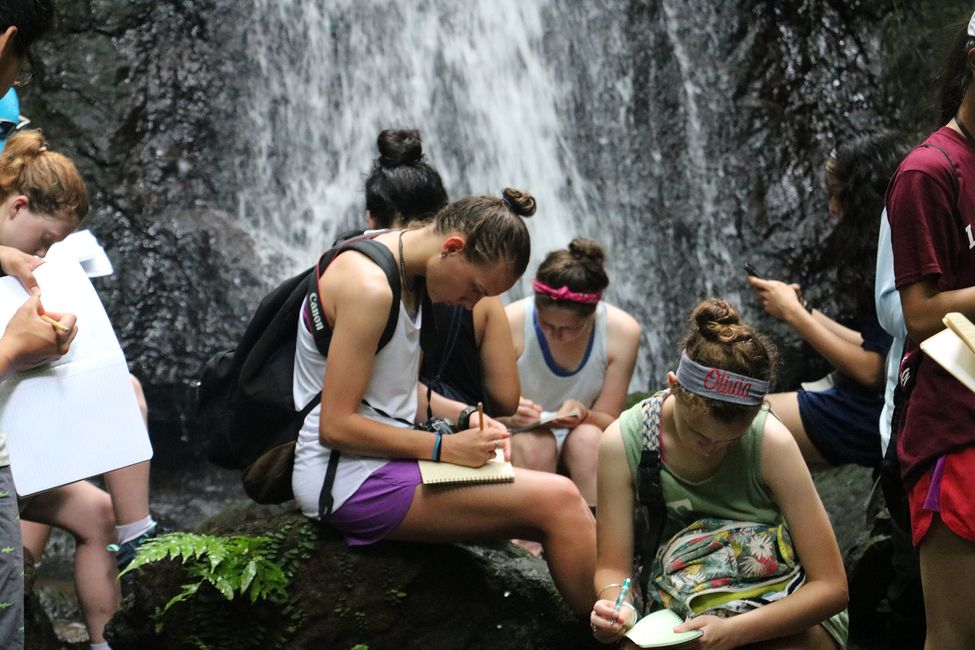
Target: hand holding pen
{"points": [[609, 623]]}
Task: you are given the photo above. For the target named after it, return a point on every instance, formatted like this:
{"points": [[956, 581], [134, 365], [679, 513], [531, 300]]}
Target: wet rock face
{"points": [[131, 91], [696, 135]]}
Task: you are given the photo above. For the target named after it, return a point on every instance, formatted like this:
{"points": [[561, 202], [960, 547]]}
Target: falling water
{"points": [[473, 79]]}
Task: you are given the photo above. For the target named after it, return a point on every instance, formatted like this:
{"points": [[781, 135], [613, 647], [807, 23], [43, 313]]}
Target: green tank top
{"points": [[734, 491]]}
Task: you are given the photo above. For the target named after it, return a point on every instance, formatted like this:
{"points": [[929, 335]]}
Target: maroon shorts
{"points": [[379, 505], [948, 488]]}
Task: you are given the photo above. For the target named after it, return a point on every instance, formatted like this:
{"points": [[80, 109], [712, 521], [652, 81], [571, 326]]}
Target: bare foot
{"points": [[532, 547]]}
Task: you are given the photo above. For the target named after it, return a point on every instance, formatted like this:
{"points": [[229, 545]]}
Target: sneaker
{"points": [[125, 553]]}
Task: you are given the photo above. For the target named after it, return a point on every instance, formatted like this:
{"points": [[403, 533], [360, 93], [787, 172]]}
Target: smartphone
{"points": [[750, 270]]}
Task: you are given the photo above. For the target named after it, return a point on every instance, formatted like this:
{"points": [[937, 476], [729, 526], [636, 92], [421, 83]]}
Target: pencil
{"points": [[480, 415], [53, 323]]}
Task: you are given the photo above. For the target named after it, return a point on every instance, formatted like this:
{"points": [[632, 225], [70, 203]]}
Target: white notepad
{"points": [[78, 416], [496, 470], [656, 630], [951, 353]]}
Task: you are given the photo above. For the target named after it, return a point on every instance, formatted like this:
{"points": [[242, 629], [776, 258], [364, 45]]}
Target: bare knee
{"points": [[99, 522], [562, 504], [581, 447], [537, 451]]}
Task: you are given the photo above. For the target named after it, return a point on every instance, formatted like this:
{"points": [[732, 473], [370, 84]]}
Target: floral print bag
{"points": [[724, 567]]}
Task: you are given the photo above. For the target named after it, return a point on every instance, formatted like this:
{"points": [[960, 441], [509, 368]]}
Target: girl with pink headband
{"points": [[576, 355], [724, 455]]}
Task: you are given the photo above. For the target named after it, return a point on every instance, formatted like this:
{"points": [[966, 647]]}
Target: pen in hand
{"points": [[624, 590], [480, 415]]}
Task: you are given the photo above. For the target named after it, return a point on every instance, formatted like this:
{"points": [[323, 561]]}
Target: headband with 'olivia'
{"points": [[720, 384], [566, 294]]}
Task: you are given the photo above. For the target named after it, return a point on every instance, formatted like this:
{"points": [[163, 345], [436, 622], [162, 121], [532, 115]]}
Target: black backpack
{"points": [[244, 412]]}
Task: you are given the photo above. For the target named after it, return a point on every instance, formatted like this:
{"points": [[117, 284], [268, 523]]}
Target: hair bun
{"points": [[521, 203], [587, 250], [399, 147], [717, 320]]}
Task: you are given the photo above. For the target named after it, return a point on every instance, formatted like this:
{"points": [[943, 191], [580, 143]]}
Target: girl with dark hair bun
{"points": [[723, 456], [931, 209], [402, 187], [576, 355], [841, 424], [475, 247]]}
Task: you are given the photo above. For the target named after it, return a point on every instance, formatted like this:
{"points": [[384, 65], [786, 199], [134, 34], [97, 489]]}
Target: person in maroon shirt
{"points": [[931, 208]]}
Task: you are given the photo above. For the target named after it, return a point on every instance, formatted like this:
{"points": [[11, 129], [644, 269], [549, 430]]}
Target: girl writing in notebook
{"points": [[723, 456], [576, 354], [476, 362], [475, 247]]}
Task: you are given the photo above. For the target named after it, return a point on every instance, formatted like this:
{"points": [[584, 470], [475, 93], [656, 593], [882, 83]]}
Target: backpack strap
{"points": [[322, 333], [650, 493], [383, 258]]}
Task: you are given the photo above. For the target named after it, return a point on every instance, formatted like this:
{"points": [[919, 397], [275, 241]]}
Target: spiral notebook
{"points": [[496, 470], [656, 630]]}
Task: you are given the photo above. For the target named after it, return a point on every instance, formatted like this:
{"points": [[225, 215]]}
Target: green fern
{"points": [[235, 566]]}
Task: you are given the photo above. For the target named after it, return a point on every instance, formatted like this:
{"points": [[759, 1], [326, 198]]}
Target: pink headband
{"points": [[567, 295]]}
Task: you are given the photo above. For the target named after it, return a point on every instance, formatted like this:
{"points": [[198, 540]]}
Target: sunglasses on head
{"points": [[8, 128]]}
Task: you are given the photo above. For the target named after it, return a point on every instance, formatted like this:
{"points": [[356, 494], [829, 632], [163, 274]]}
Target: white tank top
{"points": [[548, 385], [391, 388]]}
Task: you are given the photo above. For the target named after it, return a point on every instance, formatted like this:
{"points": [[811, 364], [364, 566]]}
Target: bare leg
{"points": [[86, 512], [947, 574], [785, 406], [580, 456], [129, 487], [535, 450], [539, 506], [35, 538]]}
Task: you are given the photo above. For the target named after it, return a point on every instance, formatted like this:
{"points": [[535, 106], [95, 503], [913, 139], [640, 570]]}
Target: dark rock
{"points": [[390, 595], [38, 629]]}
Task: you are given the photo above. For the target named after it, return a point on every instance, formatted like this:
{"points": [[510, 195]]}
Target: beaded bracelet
{"points": [[436, 447]]}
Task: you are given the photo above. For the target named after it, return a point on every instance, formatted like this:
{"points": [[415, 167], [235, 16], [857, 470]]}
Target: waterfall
{"points": [[329, 76], [685, 136]]}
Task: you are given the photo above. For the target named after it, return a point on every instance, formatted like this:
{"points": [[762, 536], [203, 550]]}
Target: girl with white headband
{"points": [[723, 456], [576, 354]]}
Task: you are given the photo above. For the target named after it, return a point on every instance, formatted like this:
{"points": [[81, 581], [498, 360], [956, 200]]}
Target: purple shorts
{"points": [[379, 505]]}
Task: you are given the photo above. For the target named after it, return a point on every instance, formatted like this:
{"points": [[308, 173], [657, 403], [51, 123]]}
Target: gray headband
{"points": [[720, 384]]}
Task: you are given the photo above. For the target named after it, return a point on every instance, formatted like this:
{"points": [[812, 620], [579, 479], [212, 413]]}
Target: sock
{"points": [[133, 530], [101, 646]]}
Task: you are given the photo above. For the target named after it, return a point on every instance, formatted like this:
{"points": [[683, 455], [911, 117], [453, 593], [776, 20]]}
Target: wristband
{"points": [[436, 448], [464, 419]]}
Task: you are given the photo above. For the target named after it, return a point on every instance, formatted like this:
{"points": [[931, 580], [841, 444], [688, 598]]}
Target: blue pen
{"points": [[623, 591]]}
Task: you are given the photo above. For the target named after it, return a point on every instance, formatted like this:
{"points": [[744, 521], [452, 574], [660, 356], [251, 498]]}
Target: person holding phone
{"points": [[840, 425]]}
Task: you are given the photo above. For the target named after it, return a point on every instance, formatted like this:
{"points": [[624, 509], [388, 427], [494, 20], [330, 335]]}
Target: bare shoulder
{"points": [[620, 323], [487, 310], [516, 312], [782, 464], [352, 277]]}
